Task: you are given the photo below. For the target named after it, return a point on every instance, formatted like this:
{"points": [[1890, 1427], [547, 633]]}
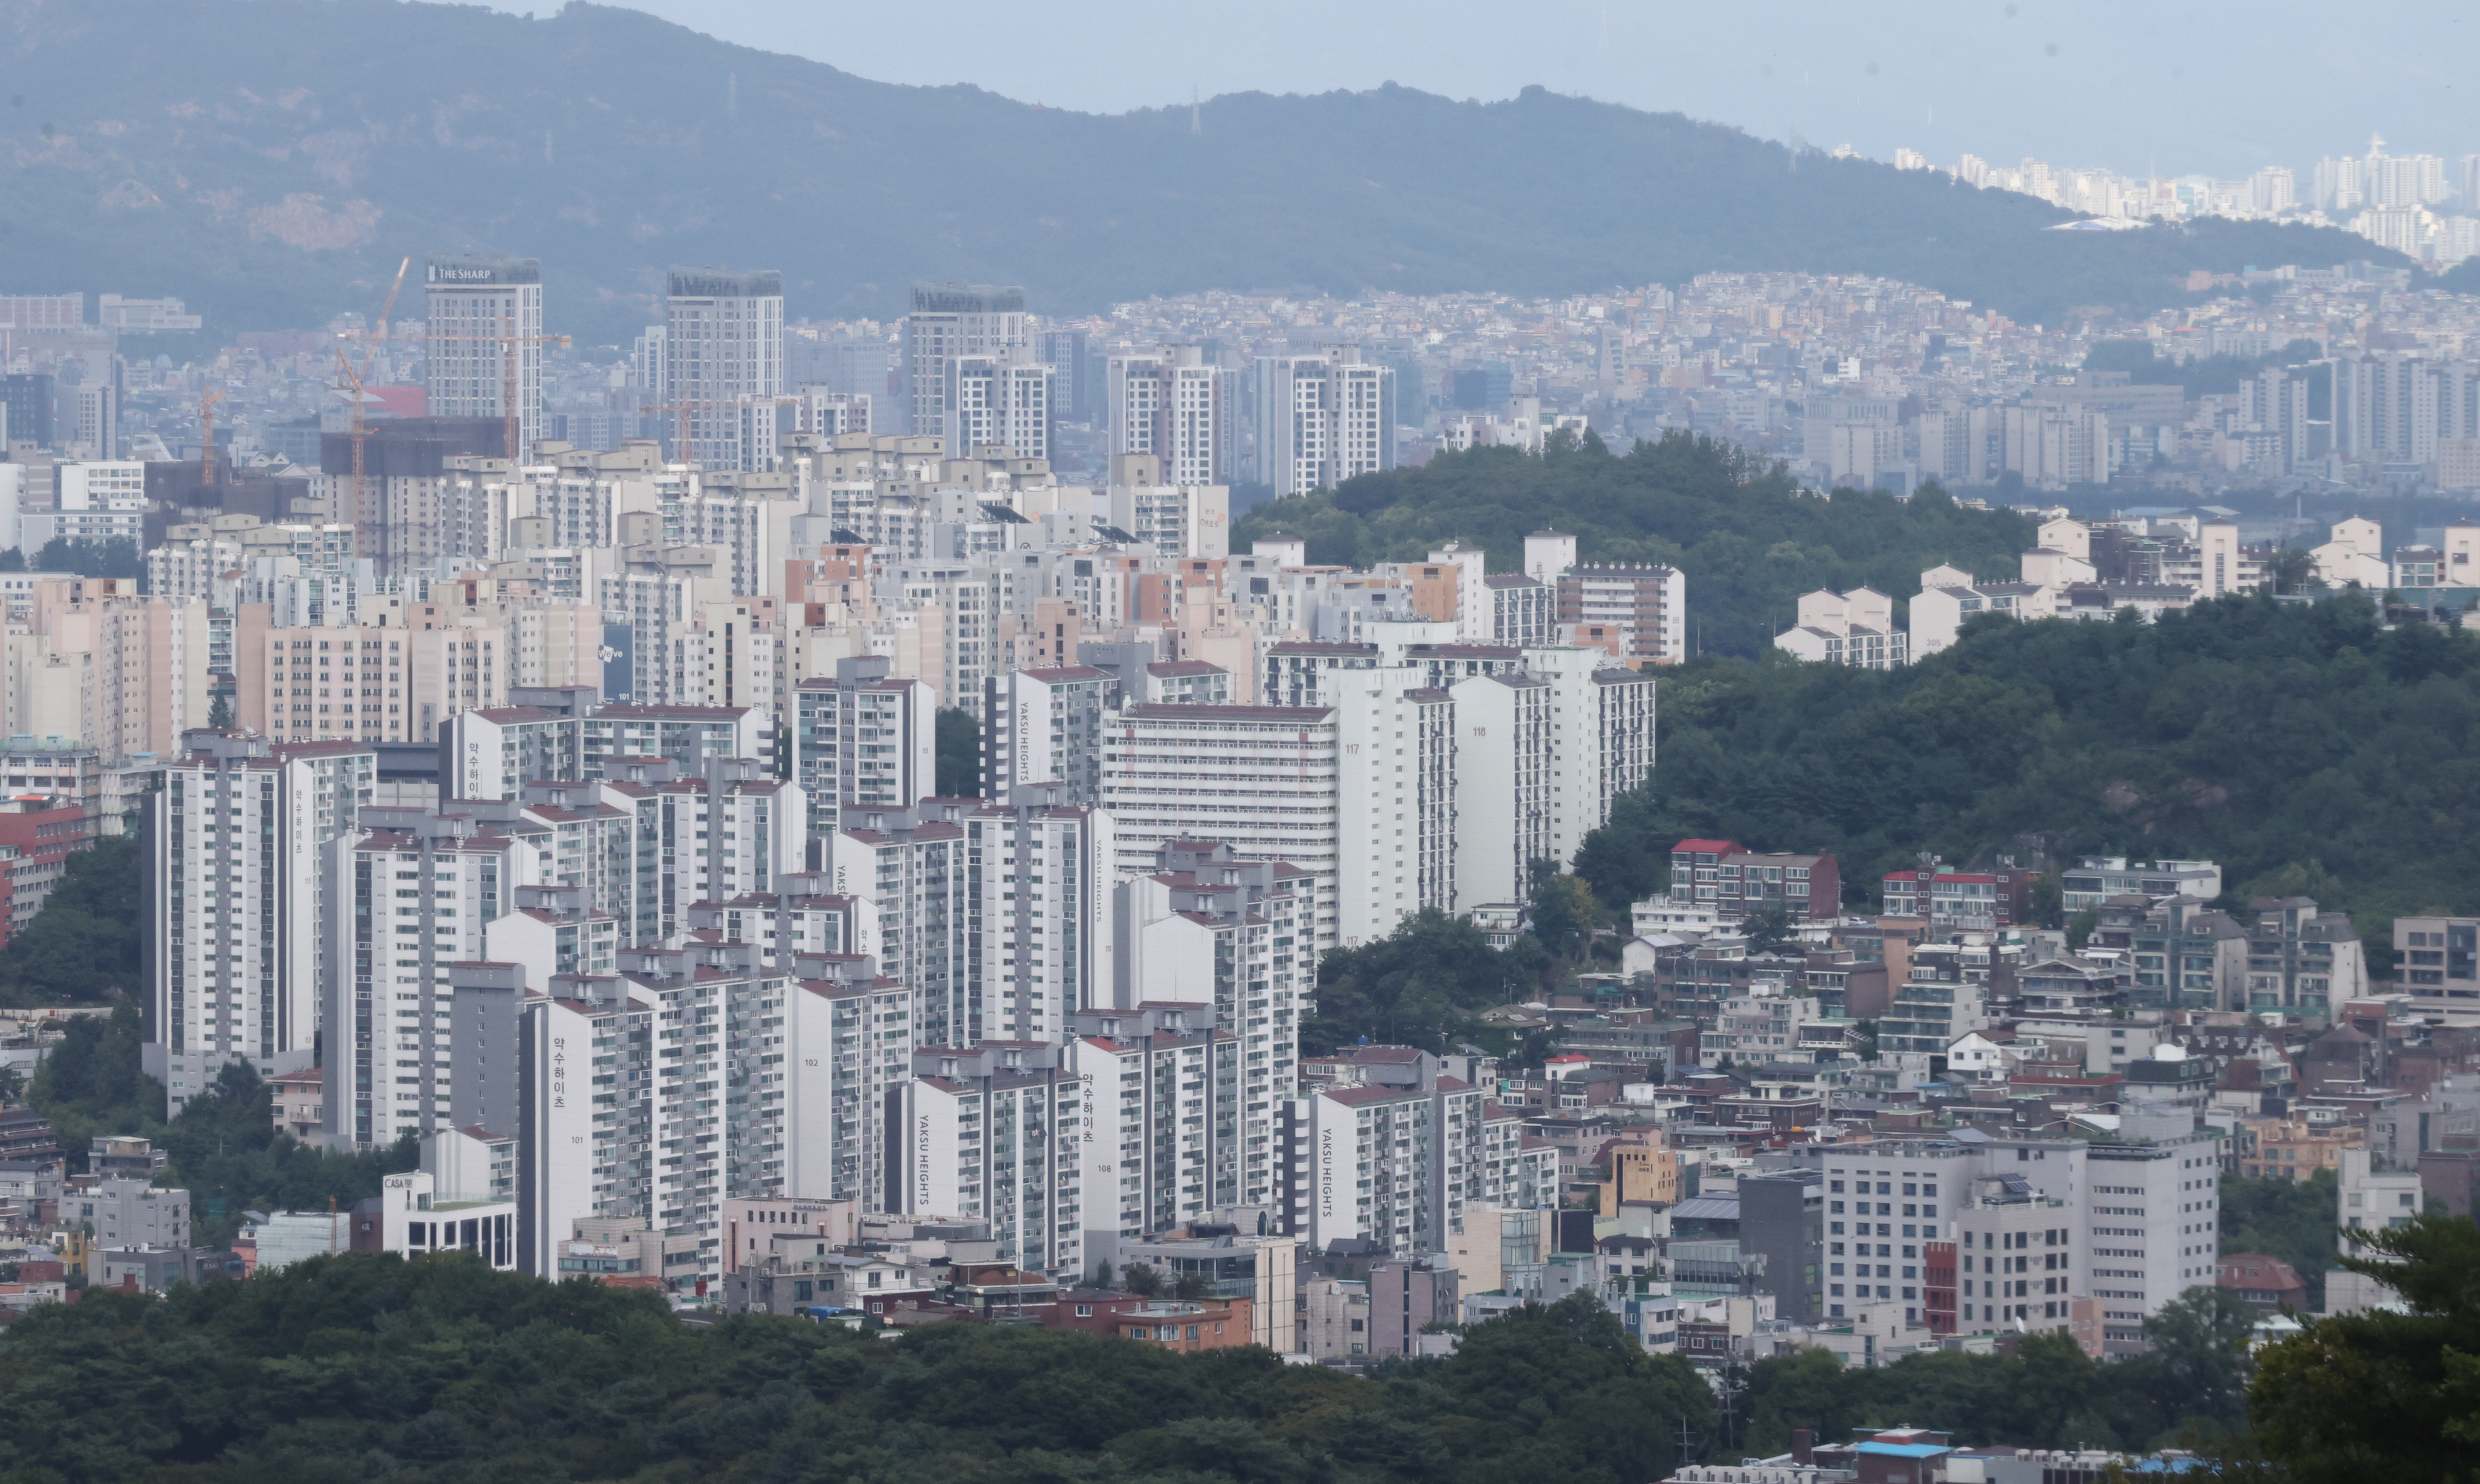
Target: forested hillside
{"points": [[1749, 542], [271, 160], [2302, 745], [370, 1368]]}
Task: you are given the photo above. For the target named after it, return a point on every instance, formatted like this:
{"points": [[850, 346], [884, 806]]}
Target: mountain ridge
{"points": [[269, 160]]}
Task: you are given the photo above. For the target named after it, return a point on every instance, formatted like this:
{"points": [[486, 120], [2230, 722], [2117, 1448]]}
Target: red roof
{"points": [[1716, 847]]}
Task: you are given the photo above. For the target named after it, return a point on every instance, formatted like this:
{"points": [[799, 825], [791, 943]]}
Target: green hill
{"points": [[271, 160], [1748, 541], [2307, 748]]}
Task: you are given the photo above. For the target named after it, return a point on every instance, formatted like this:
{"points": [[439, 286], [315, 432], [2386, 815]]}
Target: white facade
{"points": [[1396, 800], [1855, 629], [1045, 727], [235, 957], [1001, 399], [911, 866], [1262, 778], [1040, 944], [1210, 930], [1388, 1164], [1322, 418], [724, 354], [861, 737], [480, 313], [950, 320], [1172, 405], [1180, 520], [1503, 765], [2152, 1217], [590, 1153], [406, 901], [95, 500]]}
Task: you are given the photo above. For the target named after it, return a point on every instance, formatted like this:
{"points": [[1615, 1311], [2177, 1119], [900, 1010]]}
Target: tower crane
{"points": [[350, 378], [207, 438], [509, 339]]}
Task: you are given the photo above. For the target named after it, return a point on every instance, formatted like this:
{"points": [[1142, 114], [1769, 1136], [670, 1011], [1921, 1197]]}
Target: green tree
{"points": [[1420, 986], [1748, 538], [117, 557], [2292, 1220], [1562, 911], [1768, 928], [84, 947], [2291, 569], [2199, 1354], [2383, 1395], [959, 753], [2285, 740]]}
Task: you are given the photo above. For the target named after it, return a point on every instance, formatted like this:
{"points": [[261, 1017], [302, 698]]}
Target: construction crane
{"points": [[509, 339], [350, 379], [207, 438]]}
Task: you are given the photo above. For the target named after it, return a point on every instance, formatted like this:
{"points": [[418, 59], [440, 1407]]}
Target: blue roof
{"points": [[1904, 1449]]}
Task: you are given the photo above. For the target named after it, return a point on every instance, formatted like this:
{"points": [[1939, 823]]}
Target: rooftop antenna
{"points": [[1605, 45], [1195, 114]]}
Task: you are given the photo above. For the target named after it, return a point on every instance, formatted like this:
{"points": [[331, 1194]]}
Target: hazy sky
{"points": [[2218, 90]]}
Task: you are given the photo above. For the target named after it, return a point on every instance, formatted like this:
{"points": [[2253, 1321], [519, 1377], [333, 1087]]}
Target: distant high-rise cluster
{"points": [[2393, 200]]}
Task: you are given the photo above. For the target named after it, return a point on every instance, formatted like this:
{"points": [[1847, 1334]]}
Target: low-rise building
{"points": [[2267, 1282]]}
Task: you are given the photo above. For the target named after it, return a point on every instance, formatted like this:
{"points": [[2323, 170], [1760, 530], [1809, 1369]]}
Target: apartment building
{"points": [[724, 357], [1390, 1163], [410, 894], [1644, 608], [1172, 406], [1855, 629], [1045, 726], [237, 955], [1321, 419], [1210, 928], [864, 739], [949, 320], [1040, 944], [912, 867], [1263, 779], [2302, 958], [1731, 880], [2152, 1217], [1399, 819]]}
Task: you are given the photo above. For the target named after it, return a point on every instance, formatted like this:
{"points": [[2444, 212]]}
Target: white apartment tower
{"points": [[1045, 727], [997, 397], [995, 1133], [724, 345], [1175, 406], [952, 320], [483, 319], [910, 865], [1397, 765], [1040, 946], [407, 899], [1322, 418], [235, 959], [1261, 779], [862, 738], [1209, 929]]}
